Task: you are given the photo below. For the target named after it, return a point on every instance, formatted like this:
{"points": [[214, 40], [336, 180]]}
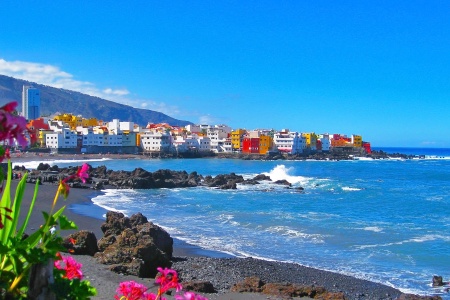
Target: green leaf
{"points": [[30, 210], [66, 224], [6, 202]]}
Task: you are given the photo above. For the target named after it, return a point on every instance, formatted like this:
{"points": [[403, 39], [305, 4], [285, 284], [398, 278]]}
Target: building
{"points": [[31, 103], [237, 138], [64, 139], [155, 141], [289, 142]]}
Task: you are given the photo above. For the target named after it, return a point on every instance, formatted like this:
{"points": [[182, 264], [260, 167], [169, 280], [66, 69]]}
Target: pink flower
{"points": [[132, 290], [168, 280], [190, 296], [9, 107], [82, 172], [71, 266], [12, 127]]}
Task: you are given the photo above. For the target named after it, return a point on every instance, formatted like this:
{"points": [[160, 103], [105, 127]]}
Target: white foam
{"points": [[373, 228], [281, 172], [350, 189], [35, 164], [292, 233]]}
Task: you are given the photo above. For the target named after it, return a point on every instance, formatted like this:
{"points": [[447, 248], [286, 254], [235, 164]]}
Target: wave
{"points": [[35, 164], [350, 189], [281, 172], [420, 239]]}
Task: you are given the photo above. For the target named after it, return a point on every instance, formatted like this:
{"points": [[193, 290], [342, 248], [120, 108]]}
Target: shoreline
{"points": [[187, 256]]}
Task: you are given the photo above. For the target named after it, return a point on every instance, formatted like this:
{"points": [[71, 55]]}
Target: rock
{"points": [[199, 286], [224, 181], [133, 245], [437, 281], [85, 243], [283, 181], [284, 290], [160, 237], [43, 167], [262, 177], [104, 242], [115, 223], [248, 285]]}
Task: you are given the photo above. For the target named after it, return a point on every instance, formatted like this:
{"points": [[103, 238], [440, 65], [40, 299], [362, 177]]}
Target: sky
{"points": [[380, 69]]}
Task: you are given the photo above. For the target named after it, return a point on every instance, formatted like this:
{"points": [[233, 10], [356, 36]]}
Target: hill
{"points": [[64, 101]]}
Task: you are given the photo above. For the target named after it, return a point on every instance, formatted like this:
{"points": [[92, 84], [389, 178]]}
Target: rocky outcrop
{"points": [[82, 242], [256, 285], [224, 181], [134, 245]]}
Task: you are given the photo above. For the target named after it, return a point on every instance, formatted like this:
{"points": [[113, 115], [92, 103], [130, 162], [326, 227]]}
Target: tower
{"points": [[31, 103]]}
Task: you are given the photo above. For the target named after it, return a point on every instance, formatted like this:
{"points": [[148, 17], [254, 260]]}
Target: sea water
{"points": [[382, 220]]}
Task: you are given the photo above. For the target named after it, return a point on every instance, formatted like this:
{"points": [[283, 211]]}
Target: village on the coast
{"points": [[73, 134]]}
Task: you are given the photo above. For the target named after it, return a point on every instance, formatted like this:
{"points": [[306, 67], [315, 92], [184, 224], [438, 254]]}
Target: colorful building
{"points": [[265, 144], [237, 138], [250, 145]]}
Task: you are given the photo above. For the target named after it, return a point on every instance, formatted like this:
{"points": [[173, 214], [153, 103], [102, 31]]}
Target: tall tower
{"points": [[31, 103]]}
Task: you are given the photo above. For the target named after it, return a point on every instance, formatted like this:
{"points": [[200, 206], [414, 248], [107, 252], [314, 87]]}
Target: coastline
{"points": [[186, 256]]}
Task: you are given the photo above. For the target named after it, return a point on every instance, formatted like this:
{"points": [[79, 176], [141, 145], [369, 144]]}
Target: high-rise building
{"points": [[31, 103]]}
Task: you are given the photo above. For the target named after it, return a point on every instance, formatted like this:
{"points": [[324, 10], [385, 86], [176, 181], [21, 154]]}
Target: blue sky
{"points": [[376, 68]]}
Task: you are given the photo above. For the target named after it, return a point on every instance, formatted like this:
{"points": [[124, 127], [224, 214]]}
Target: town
{"points": [[67, 133]]}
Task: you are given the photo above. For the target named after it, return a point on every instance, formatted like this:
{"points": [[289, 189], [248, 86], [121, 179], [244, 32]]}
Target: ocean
{"points": [[382, 220]]}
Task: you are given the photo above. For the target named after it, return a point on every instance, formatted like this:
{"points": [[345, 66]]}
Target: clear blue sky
{"points": [[376, 68]]}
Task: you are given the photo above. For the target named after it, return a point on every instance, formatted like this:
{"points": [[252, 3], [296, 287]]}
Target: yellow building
{"points": [[311, 140], [237, 137], [356, 140], [75, 121], [265, 144]]}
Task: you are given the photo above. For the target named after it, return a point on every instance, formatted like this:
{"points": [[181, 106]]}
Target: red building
{"points": [[250, 145], [366, 146]]}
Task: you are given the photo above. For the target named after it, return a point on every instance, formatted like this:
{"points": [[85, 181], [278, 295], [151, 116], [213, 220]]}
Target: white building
{"points": [[155, 141], [31, 103], [325, 141], [61, 140], [289, 142], [89, 137], [218, 135], [204, 143]]}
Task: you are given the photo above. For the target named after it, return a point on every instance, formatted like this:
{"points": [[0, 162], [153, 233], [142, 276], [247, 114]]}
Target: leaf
{"points": [[30, 210], [6, 202], [66, 224]]}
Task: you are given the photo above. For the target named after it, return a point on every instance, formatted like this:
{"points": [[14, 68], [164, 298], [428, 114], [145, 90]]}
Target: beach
{"points": [[194, 263]]}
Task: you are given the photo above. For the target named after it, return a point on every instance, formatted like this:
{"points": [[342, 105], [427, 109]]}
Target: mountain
{"points": [[64, 101]]}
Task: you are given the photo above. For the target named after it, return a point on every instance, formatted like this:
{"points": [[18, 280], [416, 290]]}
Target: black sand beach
{"points": [[194, 263]]}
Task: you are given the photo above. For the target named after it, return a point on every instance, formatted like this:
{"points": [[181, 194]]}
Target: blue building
{"points": [[31, 103]]}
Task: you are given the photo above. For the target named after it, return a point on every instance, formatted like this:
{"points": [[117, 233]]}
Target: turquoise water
{"points": [[382, 220]]}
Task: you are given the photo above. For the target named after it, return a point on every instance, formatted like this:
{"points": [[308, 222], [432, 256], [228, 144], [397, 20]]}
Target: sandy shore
{"points": [[192, 262]]}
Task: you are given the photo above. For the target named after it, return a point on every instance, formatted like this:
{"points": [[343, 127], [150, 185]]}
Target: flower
{"points": [[190, 296], [82, 173], [71, 266], [132, 290], [12, 128], [168, 280]]}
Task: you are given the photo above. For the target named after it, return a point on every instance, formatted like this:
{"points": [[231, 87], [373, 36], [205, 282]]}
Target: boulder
{"points": [[437, 281], [199, 287], [262, 177], [115, 223], [283, 181], [134, 245], [82, 242]]}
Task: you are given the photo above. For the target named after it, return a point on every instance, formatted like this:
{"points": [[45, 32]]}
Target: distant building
{"points": [[31, 103]]}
